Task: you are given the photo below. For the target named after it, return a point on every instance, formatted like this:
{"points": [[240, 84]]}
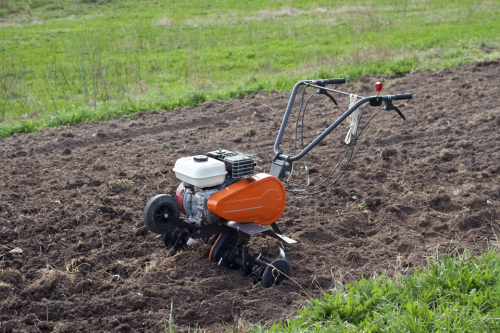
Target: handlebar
{"points": [[328, 81], [320, 84], [402, 96]]}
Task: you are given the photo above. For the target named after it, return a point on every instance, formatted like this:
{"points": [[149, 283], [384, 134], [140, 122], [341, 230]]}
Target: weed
{"points": [[120, 185], [407, 189], [249, 133]]}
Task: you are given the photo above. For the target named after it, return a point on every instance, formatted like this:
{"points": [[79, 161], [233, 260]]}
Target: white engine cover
{"points": [[201, 171]]}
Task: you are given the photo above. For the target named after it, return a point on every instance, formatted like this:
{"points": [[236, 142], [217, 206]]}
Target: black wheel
{"points": [[276, 272], [155, 211]]}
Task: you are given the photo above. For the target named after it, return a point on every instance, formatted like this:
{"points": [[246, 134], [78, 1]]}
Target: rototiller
{"points": [[223, 203]]}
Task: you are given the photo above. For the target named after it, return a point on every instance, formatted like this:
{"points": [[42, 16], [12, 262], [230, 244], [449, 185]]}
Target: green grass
{"points": [[455, 294], [67, 62]]}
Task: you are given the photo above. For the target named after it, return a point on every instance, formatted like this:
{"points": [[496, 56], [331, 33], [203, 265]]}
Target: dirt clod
{"points": [[446, 155], [10, 275], [43, 325], [8, 326], [68, 134], [5, 288], [387, 153]]}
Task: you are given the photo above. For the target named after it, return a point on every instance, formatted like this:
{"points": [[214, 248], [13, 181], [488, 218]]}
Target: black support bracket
{"points": [[281, 167]]}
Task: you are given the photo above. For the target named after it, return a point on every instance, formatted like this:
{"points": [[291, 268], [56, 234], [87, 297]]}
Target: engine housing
{"points": [[201, 176]]}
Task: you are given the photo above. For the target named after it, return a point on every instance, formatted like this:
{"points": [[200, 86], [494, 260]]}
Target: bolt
{"points": [[287, 173], [165, 216], [199, 231], [287, 164]]}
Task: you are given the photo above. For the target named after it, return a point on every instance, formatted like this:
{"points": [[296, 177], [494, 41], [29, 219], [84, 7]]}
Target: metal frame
{"points": [[280, 156]]}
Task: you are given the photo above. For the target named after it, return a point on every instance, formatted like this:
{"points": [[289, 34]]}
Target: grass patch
{"points": [[456, 294], [67, 62]]}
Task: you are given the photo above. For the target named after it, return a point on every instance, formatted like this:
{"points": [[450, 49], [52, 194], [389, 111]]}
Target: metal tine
{"points": [[282, 254]]}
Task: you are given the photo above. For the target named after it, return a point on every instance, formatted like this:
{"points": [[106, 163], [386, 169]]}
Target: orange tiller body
{"points": [[260, 199]]}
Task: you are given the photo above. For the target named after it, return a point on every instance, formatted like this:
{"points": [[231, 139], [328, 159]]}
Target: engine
{"points": [[204, 175]]}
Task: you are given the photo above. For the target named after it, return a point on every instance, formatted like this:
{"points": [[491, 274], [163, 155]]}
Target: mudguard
{"points": [[260, 198]]}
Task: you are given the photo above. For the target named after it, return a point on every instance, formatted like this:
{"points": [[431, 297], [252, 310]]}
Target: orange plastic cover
{"points": [[260, 199]]}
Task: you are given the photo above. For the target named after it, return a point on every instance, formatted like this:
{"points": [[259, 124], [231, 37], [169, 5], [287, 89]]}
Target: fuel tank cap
{"points": [[200, 158]]}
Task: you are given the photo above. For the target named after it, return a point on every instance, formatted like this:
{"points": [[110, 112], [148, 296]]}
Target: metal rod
{"points": [[261, 258], [287, 114], [333, 90]]}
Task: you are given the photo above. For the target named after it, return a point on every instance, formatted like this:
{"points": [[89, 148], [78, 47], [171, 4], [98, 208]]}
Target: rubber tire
{"points": [[155, 207]]}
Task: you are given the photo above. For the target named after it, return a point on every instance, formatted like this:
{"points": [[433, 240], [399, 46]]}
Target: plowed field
{"points": [[72, 200]]}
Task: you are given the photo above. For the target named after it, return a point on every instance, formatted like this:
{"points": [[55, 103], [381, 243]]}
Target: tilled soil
{"points": [[72, 200]]}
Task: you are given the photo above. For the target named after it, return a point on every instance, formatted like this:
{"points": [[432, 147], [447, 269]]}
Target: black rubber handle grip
{"points": [[335, 81], [328, 81], [402, 96]]}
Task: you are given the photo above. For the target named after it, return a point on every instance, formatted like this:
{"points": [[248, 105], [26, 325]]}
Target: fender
{"points": [[260, 198]]}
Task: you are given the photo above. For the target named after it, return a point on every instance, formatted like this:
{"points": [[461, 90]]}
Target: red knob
{"points": [[378, 86]]}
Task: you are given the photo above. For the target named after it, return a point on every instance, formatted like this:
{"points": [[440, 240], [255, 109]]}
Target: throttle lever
{"points": [[324, 92], [320, 91], [389, 106]]}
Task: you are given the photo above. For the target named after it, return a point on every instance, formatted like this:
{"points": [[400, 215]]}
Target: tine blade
{"points": [[282, 254]]}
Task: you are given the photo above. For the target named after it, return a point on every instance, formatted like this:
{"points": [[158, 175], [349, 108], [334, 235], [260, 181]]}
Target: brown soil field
{"points": [[425, 185]]}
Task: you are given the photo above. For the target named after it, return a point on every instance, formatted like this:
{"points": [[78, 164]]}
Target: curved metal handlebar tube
{"points": [[329, 129], [287, 114], [290, 105], [282, 165], [322, 135]]}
